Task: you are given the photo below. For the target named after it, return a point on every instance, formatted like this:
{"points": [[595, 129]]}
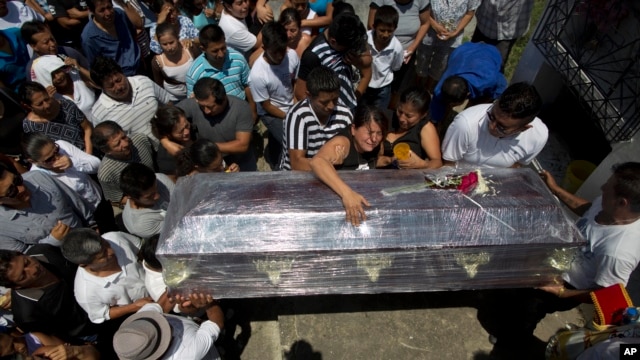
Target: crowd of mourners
{"points": [[106, 104]]}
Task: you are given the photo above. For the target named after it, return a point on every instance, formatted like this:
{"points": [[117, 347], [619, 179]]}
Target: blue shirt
{"points": [[234, 74], [477, 63], [124, 49], [13, 67]]}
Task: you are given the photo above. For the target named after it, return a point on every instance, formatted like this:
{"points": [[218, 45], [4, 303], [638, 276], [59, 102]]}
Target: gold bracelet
{"points": [[561, 291]]}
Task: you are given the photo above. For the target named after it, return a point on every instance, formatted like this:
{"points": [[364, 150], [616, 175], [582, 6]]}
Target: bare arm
{"points": [[320, 21], [576, 204], [158, 76], [119, 311], [299, 160], [88, 129], [431, 145], [68, 22], [237, 146], [372, 15], [272, 110], [422, 31], [132, 14], [300, 90], [322, 164], [252, 104]]}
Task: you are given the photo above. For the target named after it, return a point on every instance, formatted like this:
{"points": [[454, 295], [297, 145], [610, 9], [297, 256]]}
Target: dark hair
{"points": [[32, 144], [322, 79], [520, 101], [30, 28], [290, 15], [81, 245], [7, 165], [5, 261], [102, 133], [166, 27], [201, 153], [148, 252], [206, 87], [455, 90], [166, 118], [418, 97], [274, 36], [366, 114], [27, 89], [91, 4], [102, 68], [348, 30], [135, 179], [628, 183], [342, 7], [189, 7], [386, 15], [211, 33]]}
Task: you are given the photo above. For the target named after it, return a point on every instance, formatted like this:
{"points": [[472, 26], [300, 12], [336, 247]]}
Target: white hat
{"points": [[42, 68]]}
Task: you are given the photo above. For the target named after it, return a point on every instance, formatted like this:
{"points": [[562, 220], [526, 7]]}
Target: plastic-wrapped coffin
{"points": [[284, 233]]}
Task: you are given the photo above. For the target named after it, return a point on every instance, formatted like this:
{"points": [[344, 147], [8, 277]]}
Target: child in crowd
{"points": [[149, 194], [387, 54]]}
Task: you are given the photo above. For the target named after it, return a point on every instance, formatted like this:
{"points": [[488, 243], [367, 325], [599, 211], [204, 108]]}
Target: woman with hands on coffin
{"points": [[354, 148]]}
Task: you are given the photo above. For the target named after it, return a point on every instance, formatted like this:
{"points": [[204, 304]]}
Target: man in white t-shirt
{"points": [[109, 282], [272, 78], [504, 134], [611, 226], [150, 334]]}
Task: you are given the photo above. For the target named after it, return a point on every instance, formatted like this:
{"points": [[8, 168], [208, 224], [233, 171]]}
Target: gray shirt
{"points": [[148, 222], [223, 127], [50, 201]]}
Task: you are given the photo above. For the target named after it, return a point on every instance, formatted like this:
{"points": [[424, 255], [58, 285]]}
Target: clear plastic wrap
{"points": [[265, 234]]}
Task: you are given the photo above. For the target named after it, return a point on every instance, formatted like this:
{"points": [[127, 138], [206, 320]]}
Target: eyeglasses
{"points": [[500, 129], [12, 191], [53, 157]]}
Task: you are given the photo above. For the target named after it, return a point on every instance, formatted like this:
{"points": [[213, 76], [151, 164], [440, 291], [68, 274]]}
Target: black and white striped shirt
{"points": [[303, 130], [320, 53]]}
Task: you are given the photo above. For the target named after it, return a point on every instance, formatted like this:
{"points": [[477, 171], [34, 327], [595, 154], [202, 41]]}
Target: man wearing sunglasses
{"points": [[504, 134], [36, 208]]}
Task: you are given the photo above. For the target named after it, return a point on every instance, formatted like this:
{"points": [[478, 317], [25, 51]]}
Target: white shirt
{"points": [[188, 340], [134, 117], [97, 294], [274, 82], [611, 255], [468, 140], [310, 16], [237, 33], [385, 62], [18, 14], [77, 176]]}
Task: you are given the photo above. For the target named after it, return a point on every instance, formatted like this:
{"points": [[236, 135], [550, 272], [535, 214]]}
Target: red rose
{"points": [[468, 182]]}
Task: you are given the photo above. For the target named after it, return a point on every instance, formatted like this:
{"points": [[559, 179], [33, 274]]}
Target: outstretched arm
{"points": [[575, 203], [322, 164]]}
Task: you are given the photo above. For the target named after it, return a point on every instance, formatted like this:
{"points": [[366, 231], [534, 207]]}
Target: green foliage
{"points": [[518, 47]]}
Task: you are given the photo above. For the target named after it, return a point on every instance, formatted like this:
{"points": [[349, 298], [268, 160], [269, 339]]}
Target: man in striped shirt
{"points": [[130, 101], [120, 151], [313, 121], [223, 64], [337, 48]]}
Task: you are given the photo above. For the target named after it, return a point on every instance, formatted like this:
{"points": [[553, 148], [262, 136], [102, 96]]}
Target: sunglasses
{"points": [[12, 191], [52, 158]]}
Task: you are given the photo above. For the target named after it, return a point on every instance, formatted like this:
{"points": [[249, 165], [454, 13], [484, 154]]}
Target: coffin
{"points": [[265, 234]]}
